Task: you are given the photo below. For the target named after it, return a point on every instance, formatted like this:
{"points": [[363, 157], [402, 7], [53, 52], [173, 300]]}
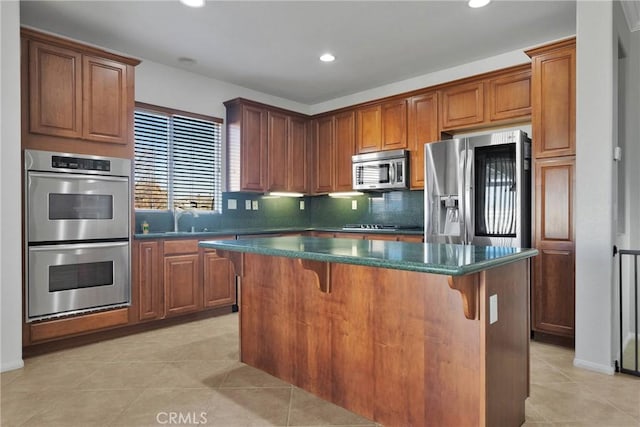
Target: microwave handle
{"points": [[392, 173]]}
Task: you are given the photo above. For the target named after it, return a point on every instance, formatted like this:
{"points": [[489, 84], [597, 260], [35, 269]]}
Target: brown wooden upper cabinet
{"points": [[287, 153], [75, 92], [334, 144], [510, 96], [462, 105], [494, 98], [382, 126], [554, 99], [246, 146], [266, 148], [422, 128]]}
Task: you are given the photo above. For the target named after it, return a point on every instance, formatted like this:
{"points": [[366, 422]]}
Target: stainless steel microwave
{"points": [[382, 170]]}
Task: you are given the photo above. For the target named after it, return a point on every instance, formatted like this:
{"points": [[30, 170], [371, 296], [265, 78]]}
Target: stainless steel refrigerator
{"points": [[478, 190]]}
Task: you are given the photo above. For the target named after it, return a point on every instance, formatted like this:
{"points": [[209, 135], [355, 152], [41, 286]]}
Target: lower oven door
{"points": [[68, 279]]}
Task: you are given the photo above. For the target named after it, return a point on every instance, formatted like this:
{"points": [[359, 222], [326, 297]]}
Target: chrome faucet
{"points": [[177, 214]]}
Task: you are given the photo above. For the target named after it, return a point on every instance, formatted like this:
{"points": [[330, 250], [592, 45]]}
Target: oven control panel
{"points": [[81, 163]]}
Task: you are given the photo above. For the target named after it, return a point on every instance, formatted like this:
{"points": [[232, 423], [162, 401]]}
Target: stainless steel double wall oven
{"points": [[78, 233]]}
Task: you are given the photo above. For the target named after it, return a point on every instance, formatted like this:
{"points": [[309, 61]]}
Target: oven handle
{"points": [[71, 246], [56, 175]]}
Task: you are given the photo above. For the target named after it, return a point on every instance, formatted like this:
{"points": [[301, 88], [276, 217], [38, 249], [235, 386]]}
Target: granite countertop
{"points": [[246, 231], [452, 260]]}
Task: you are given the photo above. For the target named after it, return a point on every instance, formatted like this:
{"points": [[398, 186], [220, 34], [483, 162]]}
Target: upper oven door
{"points": [[67, 207]]}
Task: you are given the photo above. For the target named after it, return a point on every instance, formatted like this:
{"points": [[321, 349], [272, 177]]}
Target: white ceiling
{"points": [[273, 47]]}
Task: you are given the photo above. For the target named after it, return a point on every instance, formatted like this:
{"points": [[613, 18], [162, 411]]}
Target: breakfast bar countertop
{"points": [[447, 259]]}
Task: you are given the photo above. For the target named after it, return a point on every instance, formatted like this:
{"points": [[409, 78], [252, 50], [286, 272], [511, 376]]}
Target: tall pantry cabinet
{"points": [[554, 150]]}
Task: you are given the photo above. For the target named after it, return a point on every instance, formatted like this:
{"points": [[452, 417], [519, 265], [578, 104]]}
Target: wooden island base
{"points": [[393, 346]]}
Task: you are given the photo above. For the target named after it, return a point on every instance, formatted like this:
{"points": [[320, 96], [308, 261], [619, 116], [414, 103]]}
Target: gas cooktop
{"points": [[388, 227]]}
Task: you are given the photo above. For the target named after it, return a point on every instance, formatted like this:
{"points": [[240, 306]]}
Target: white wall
{"points": [[628, 176], [176, 88], [594, 184], [10, 212], [504, 60]]}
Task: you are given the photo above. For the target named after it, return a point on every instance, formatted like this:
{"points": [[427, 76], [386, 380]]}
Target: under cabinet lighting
{"points": [[193, 3], [346, 194], [478, 3], [285, 194]]}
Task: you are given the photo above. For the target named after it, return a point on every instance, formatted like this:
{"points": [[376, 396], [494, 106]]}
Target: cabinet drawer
{"points": [[180, 246]]}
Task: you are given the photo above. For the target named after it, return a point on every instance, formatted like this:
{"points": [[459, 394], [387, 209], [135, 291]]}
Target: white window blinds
{"points": [[177, 160]]}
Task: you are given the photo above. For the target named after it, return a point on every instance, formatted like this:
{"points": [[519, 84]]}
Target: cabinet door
{"points": [[149, 283], [411, 238], [394, 125], [423, 128], [462, 105], [277, 151], [297, 170], [510, 96], [218, 280], [104, 104], [554, 102], [323, 155], [55, 90], [369, 128], [182, 284], [345, 133], [553, 290], [253, 150]]}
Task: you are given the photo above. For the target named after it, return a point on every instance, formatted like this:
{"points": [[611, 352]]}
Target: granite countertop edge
{"points": [[238, 246]]}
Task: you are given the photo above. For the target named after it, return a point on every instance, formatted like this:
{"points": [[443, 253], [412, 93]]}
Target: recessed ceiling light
{"points": [[327, 57], [193, 3], [478, 3]]}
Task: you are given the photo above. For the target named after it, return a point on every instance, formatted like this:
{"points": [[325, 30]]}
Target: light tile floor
{"points": [[192, 371]]}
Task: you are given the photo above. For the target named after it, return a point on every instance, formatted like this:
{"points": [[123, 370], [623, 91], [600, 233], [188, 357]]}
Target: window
{"points": [[178, 159]]}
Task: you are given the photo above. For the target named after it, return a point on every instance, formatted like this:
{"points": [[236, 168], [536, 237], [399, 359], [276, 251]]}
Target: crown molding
{"points": [[631, 10]]}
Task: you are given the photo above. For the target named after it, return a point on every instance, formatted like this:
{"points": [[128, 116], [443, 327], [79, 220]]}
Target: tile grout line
{"points": [[290, 404]]}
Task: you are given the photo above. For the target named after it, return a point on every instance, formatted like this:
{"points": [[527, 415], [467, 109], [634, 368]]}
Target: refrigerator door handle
{"points": [[469, 207], [462, 204]]}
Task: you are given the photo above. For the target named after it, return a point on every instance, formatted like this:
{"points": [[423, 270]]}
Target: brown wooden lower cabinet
{"points": [[182, 284], [148, 279], [411, 238], [554, 291], [218, 280], [553, 285], [191, 279]]}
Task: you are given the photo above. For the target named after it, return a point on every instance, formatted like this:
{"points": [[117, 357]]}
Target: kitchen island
{"points": [[405, 334]]}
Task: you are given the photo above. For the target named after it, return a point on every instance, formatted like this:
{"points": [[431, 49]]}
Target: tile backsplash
{"points": [[396, 207]]}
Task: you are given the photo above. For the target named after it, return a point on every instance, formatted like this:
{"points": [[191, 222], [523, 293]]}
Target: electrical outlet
{"points": [[301, 205], [232, 204], [354, 205], [493, 309], [247, 205], [254, 205]]}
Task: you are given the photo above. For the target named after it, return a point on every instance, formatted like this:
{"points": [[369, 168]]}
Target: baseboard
{"points": [[13, 365], [595, 367]]}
